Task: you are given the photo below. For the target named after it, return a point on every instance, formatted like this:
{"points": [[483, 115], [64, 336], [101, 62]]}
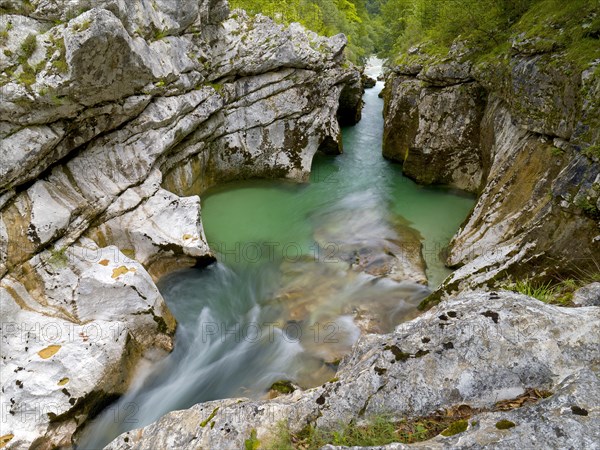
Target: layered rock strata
{"points": [[114, 117], [522, 134]]}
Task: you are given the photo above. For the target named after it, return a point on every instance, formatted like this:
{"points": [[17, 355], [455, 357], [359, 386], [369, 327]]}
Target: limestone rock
{"points": [[164, 231], [368, 82], [527, 216], [114, 117], [525, 143], [588, 295], [434, 131], [351, 102], [568, 418], [446, 73], [475, 349], [541, 92], [75, 323]]}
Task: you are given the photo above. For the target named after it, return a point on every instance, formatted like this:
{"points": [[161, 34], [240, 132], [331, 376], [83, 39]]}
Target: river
{"points": [[283, 303]]}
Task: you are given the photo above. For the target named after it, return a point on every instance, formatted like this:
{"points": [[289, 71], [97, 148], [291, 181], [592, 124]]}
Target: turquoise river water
{"points": [[282, 303]]}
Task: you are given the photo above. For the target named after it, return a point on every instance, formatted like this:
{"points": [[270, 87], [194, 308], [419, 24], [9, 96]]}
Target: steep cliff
{"points": [[111, 113], [518, 128]]}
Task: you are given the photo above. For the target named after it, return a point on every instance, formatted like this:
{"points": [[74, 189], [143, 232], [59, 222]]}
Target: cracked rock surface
{"points": [[474, 349]]}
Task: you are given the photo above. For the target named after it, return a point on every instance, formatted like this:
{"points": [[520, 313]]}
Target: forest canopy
{"points": [[389, 27], [326, 17]]}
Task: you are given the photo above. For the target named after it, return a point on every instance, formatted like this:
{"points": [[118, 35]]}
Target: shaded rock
{"points": [[368, 82], [588, 295], [351, 102], [527, 344], [434, 132]]}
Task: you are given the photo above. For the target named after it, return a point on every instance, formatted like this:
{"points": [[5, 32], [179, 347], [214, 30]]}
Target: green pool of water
{"points": [[255, 220]]}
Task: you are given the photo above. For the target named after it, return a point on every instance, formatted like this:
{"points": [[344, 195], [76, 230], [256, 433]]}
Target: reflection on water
{"points": [[303, 270]]}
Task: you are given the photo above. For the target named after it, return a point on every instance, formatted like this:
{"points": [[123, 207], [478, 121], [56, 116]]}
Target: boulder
{"points": [[368, 82], [588, 295], [568, 418], [75, 324]]}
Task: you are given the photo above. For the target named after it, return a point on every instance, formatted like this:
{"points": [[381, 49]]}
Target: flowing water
{"points": [[286, 301]]}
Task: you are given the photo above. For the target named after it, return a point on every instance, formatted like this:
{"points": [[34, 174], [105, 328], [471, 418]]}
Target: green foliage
{"points": [[58, 258], [211, 417], [59, 63], [579, 21], [83, 25], [544, 292], [283, 387], [27, 77], [252, 443], [486, 25], [559, 291], [442, 21], [325, 17], [160, 34], [504, 424], [4, 33], [589, 208], [457, 427], [379, 431], [28, 47], [592, 152]]}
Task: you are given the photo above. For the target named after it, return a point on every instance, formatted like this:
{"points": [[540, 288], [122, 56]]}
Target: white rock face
{"points": [[114, 117], [74, 325], [475, 349]]}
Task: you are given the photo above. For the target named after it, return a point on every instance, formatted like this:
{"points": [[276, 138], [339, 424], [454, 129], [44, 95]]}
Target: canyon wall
{"points": [[114, 117], [521, 132]]}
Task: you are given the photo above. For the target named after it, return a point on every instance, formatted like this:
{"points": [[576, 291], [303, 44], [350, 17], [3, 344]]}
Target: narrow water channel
{"points": [[282, 303]]}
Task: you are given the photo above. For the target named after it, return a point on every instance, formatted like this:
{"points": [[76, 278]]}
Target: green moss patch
{"points": [[283, 387], [212, 415], [504, 424], [456, 427]]}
